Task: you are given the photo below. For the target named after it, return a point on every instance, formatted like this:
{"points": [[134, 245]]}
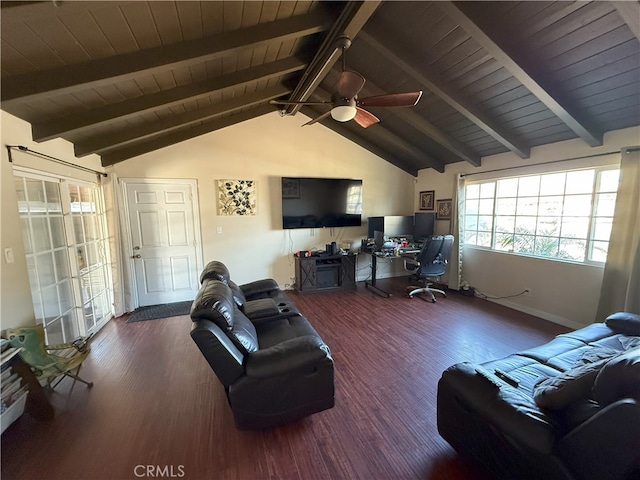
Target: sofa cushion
{"points": [[214, 302], [238, 294], [215, 271], [243, 334], [575, 384], [261, 308], [624, 322], [618, 378], [278, 330]]}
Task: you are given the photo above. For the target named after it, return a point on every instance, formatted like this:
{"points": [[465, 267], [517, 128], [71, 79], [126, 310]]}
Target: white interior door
{"points": [[164, 247]]}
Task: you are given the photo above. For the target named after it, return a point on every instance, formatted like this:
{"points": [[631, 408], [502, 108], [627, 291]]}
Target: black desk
{"points": [[374, 261]]}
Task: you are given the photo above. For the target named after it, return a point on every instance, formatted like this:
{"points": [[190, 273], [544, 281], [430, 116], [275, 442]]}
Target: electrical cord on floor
{"points": [[484, 296]]}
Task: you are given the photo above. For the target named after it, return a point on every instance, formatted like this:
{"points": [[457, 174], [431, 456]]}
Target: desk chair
{"points": [[430, 263]]}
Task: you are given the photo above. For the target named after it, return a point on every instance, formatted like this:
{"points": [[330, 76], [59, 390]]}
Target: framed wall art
{"points": [[236, 197], [443, 209], [426, 199]]}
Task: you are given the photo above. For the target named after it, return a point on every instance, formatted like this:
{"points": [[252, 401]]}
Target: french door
{"points": [[65, 239]]}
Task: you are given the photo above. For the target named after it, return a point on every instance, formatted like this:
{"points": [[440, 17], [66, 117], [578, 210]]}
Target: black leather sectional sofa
{"points": [[569, 409], [274, 366]]}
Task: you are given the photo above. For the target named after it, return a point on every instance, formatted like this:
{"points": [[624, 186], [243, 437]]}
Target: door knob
{"points": [[137, 256]]}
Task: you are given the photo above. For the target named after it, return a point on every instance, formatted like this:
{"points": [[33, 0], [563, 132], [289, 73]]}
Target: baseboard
{"points": [[539, 313]]}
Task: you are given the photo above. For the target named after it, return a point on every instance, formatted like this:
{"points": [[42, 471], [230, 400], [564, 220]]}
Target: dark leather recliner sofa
{"points": [[568, 409], [274, 366]]}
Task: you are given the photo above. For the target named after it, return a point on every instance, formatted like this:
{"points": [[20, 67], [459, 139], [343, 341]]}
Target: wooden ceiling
{"points": [[123, 78]]}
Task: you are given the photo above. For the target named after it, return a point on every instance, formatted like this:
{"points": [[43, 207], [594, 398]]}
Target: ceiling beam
{"points": [[167, 140], [350, 21], [422, 159], [405, 155], [560, 108], [105, 142], [432, 132], [106, 71], [630, 13], [381, 152], [431, 82], [60, 127]]}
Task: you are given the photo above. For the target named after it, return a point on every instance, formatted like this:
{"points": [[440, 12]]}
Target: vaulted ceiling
{"points": [[123, 78]]}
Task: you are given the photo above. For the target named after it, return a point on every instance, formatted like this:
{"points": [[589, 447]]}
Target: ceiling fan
{"points": [[345, 104]]}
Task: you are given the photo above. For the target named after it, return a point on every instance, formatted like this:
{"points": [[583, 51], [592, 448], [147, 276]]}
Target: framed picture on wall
{"points": [[443, 209], [426, 200]]}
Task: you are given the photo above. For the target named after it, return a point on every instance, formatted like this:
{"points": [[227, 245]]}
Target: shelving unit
{"points": [[12, 388], [32, 399]]}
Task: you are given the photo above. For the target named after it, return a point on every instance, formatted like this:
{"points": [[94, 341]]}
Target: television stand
{"points": [[325, 273]]}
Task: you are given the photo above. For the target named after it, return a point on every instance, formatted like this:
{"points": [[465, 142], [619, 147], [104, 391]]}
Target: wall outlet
{"points": [[527, 292]]}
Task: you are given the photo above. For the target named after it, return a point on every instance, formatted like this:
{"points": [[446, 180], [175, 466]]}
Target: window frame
{"points": [[590, 239]]}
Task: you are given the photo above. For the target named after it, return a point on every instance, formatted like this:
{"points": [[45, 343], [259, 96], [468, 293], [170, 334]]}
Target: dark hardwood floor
{"points": [[156, 401]]}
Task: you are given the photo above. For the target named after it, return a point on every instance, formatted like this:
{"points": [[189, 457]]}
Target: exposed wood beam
{"points": [[122, 110], [109, 141], [176, 137], [422, 159], [104, 71], [630, 13], [411, 160], [446, 93], [422, 125], [381, 152], [434, 133], [564, 112], [351, 20]]}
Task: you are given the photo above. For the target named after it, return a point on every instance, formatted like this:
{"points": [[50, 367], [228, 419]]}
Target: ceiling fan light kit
{"points": [[343, 113], [347, 106]]}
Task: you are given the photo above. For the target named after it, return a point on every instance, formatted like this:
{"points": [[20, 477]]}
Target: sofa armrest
{"points": [[288, 356], [605, 446], [626, 323], [507, 409], [252, 289]]}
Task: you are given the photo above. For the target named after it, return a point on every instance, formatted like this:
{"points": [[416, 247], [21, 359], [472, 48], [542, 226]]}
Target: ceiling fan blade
{"points": [[364, 118], [350, 84], [283, 102], [317, 119], [408, 99]]}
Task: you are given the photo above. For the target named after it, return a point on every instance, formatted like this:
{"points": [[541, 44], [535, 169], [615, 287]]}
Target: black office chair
{"points": [[430, 263]]}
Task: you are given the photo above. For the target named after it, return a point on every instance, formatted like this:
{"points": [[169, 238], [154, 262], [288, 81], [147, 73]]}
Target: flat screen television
{"points": [[321, 202]]}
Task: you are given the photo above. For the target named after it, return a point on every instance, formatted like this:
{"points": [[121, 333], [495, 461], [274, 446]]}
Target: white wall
{"points": [[562, 292], [265, 149], [16, 308]]}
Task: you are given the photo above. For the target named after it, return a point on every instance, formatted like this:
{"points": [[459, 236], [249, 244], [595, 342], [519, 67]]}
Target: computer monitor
{"points": [[398, 226], [378, 238], [423, 225]]}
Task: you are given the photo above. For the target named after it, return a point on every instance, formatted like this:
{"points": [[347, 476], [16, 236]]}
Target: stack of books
{"points": [[13, 394]]}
